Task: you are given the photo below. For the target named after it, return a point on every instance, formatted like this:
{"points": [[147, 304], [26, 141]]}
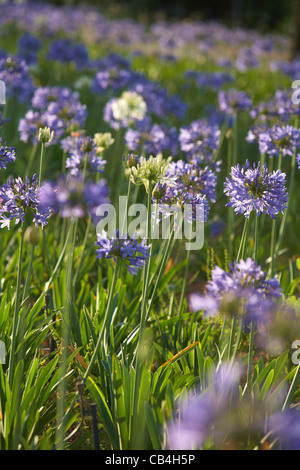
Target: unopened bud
{"points": [[32, 235], [45, 135]]}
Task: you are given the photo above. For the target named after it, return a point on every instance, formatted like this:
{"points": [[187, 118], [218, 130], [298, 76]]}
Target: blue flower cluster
{"points": [[243, 291], [66, 50], [72, 197], [14, 72], [20, 199], [152, 139], [7, 155], [79, 148], [58, 108], [256, 189], [134, 254]]}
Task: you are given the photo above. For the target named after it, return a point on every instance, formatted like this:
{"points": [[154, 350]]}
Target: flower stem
{"points": [[106, 320], [41, 162], [29, 271], [250, 356], [256, 236], [147, 270], [16, 311], [241, 251], [65, 335], [188, 258], [284, 218]]}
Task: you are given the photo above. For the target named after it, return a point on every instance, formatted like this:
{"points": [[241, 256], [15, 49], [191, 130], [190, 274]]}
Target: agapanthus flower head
{"points": [[205, 416], [285, 425], [244, 290], [278, 110], [83, 152], [7, 155], [29, 47], [65, 50], [14, 72], [58, 108], [200, 140], [193, 178], [45, 135], [134, 254], [114, 78], [103, 140], [20, 199], [125, 111], [256, 189], [242, 274], [72, 197], [284, 140], [214, 80], [232, 101], [151, 170], [246, 59], [153, 139], [178, 201], [159, 102]]}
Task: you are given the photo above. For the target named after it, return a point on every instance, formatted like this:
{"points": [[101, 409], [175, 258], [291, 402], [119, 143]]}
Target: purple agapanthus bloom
{"points": [[71, 197], [134, 254], [14, 72], [200, 140], [159, 102], [79, 149], [256, 189], [173, 199], [201, 415], [243, 274], [153, 139], [191, 190], [214, 80], [284, 140], [65, 50], [114, 78], [232, 101], [7, 155], [58, 108], [193, 178], [280, 109], [285, 425], [246, 59], [29, 47], [20, 198], [244, 290]]}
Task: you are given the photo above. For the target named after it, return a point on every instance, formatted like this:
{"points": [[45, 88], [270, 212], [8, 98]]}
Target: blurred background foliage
{"points": [[266, 15]]}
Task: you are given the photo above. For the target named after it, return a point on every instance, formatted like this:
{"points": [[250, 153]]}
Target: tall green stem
{"points": [[147, 267], [250, 355], [284, 218], [41, 162], [256, 236], [65, 338], [106, 320], [16, 311], [188, 258], [274, 252], [241, 251]]}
